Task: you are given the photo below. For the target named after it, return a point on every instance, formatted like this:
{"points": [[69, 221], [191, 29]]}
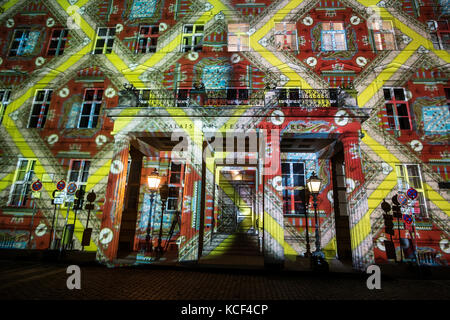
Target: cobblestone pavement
{"points": [[32, 280]]}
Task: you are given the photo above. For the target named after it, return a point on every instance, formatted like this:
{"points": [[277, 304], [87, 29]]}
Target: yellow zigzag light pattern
{"points": [[133, 77]]}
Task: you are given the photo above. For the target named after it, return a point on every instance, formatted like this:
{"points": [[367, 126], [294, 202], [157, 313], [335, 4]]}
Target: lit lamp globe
{"points": [[153, 182], [314, 184]]}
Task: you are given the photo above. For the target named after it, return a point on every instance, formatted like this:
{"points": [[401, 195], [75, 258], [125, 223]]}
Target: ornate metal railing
{"points": [[200, 97]]}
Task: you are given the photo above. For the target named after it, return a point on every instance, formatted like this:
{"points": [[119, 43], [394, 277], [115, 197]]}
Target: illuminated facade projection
{"points": [[235, 104]]}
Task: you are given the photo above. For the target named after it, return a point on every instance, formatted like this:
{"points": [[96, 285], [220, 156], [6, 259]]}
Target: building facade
{"points": [[235, 104]]}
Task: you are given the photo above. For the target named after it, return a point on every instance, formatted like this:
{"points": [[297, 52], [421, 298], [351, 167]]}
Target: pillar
{"points": [[357, 203], [273, 201], [108, 239]]}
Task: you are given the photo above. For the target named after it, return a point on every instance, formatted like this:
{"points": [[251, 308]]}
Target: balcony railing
{"points": [[187, 98]]}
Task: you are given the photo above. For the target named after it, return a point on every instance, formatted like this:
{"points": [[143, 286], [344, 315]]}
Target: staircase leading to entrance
{"points": [[241, 247]]}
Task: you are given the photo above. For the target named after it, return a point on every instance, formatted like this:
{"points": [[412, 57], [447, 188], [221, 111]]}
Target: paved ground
{"points": [[35, 280]]}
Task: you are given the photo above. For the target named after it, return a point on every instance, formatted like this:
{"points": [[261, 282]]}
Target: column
{"points": [[357, 203], [108, 239], [273, 201]]}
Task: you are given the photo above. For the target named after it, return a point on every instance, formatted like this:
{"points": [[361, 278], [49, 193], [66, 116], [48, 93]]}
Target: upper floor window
{"points": [[4, 101], [238, 38], [383, 34], [293, 175], [409, 176], [333, 36], [90, 109], [57, 42], [40, 107], [440, 34], [105, 40], [23, 42], [192, 38], [148, 39], [286, 36], [397, 109], [21, 187], [237, 96]]}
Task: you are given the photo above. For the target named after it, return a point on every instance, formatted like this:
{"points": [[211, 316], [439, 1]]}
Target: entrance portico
{"points": [[201, 143]]}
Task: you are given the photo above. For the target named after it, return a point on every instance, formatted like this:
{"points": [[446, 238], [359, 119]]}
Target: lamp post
{"points": [[308, 248], [314, 185], [153, 182], [163, 194]]}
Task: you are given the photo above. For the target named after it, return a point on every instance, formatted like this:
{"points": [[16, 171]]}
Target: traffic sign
{"points": [[412, 193], [58, 201], [61, 185], [71, 188], [36, 186], [402, 199], [407, 218]]}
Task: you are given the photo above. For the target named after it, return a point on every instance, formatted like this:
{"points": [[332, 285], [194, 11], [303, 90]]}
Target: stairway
{"points": [[241, 247]]}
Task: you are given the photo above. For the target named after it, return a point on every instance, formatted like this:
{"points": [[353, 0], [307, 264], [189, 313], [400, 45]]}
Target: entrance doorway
{"points": [[236, 192]]}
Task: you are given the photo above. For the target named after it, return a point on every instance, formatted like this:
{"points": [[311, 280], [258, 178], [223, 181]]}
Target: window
{"points": [[90, 110], [148, 39], [79, 173], [397, 109], [23, 42], [441, 35], [105, 40], [57, 42], [408, 176], [238, 38], [40, 108], [333, 36], [237, 96], [192, 38], [293, 174], [286, 36], [21, 188], [383, 35], [175, 186], [183, 97], [4, 101]]}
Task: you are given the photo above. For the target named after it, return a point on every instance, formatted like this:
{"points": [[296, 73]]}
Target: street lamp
{"points": [[308, 248], [314, 185], [153, 182], [163, 194]]}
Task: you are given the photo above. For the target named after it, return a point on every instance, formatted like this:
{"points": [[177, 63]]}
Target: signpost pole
{"points": [[31, 225]]}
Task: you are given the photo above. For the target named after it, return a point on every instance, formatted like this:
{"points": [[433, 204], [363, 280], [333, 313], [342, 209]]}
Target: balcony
{"points": [[306, 99]]}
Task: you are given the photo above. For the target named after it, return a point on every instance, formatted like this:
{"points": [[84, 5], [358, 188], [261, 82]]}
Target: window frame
{"points": [[289, 190], [29, 173], [332, 32], [93, 104], [379, 30], [394, 124], [61, 40], [149, 36], [404, 183], [285, 33], [437, 35], [5, 95], [22, 42], [43, 109], [193, 36], [239, 35], [105, 48]]}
